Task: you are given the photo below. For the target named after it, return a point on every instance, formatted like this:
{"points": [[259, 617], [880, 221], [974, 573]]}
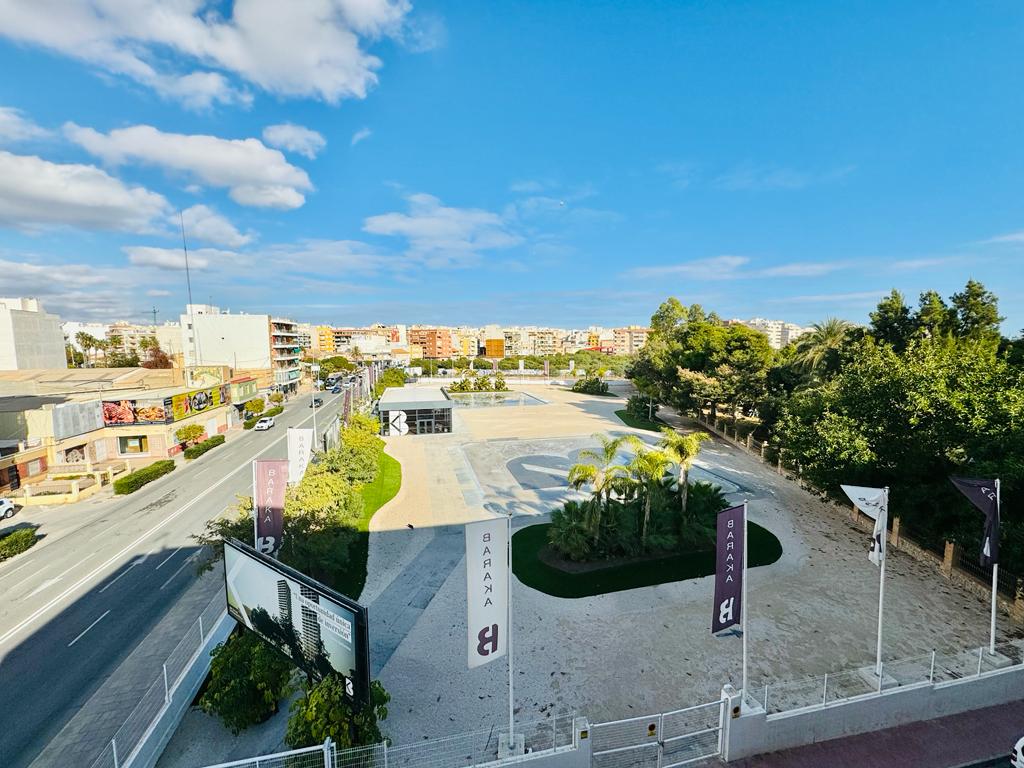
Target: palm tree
{"points": [[682, 449], [602, 475], [87, 342], [818, 350], [648, 467]]}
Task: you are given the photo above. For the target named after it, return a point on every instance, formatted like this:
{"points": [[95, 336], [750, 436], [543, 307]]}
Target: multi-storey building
{"points": [[779, 332], [323, 342], [305, 338], [436, 343], [630, 339], [543, 341], [29, 336]]}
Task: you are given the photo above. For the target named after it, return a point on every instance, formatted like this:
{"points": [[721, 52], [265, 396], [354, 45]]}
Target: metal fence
{"points": [[928, 669], [320, 756], [123, 746], [682, 737]]}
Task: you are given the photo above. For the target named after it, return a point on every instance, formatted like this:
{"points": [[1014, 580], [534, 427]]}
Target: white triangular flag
{"points": [[874, 503]]}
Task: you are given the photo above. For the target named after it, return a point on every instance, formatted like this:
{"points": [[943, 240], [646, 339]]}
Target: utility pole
{"points": [[154, 311]]}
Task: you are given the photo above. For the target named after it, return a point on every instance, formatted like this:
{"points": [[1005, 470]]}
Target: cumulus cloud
{"points": [[442, 236], [35, 193], [205, 224], [187, 50], [15, 127], [362, 133], [294, 138], [255, 174], [174, 258], [74, 291]]}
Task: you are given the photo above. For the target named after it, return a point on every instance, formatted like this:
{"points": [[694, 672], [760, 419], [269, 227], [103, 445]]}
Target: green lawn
{"points": [[765, 549], [632, 421], [352, 576]]}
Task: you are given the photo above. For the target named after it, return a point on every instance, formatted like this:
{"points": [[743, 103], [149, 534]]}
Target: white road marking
{"points": [[52, 581], [14, 570], [110, 561], [180, 569], [103, 616], [118, 577], [168, 558], [44, 585]]}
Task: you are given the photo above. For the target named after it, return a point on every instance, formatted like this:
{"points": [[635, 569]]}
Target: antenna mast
{"points": [[188, 283]]}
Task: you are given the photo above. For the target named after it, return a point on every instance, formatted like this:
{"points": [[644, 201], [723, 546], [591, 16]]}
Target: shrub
{"points": [[195, 451], [16, 542], [642, 407], [591, 385], [276, 397], [277, 411], [131, 482], [571, 531], [247, 679], [326, 712], [189, 433], [250, 423]]}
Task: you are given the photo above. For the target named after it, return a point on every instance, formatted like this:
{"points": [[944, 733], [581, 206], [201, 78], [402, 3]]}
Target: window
{"points": [[137, 444], [35, 467]]}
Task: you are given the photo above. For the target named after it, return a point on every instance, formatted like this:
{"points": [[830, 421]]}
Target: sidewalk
{"points": [[946, 742]]}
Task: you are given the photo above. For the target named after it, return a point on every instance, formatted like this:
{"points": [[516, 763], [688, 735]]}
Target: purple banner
{"points": [[729, 570], [269, 479]]}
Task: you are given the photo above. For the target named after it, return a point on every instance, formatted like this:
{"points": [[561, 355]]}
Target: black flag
{"points": [[729, 569], [982, 494]]}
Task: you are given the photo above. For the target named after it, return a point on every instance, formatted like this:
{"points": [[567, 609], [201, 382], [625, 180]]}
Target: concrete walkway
{"points": [[946, 742]]}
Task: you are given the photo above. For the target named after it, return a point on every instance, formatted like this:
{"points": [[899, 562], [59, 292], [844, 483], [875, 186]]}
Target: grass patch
{"points": [[527, 544], [640, 423], [376, 494]]}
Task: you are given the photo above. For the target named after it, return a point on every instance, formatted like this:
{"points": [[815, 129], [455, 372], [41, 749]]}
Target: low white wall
{"points": [[754, 733]]}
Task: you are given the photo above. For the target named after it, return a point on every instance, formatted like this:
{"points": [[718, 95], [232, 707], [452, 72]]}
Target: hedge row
{"points": [[17, 542], [130, 483], [195, 451], [250, 423]]}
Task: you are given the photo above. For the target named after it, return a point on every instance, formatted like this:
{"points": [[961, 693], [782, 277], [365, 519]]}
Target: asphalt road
{"points": [[74, 606]]}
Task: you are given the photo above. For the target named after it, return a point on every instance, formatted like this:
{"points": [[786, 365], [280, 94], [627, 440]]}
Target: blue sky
{"points": [[555, 163]]}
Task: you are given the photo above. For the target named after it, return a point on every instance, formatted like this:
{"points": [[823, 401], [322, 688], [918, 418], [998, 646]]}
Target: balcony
{"points": [[287, 345]]}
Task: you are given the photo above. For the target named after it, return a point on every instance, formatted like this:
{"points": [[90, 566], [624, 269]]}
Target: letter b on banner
{"points": [[486, 590]]}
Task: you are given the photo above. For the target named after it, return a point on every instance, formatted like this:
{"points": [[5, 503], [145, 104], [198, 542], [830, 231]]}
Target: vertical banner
{"points": [[487, 590], [348, 405], [547, 368], [983, 495], [729, 569], [300, 449], [494, 364], [268, 477], [873, 502]]}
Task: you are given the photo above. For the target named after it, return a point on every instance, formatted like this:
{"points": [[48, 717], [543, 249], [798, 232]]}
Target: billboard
{"points": [[321, 631], [70, 419], [190, 403], [268, 481], [487, 590], [166, 410]]}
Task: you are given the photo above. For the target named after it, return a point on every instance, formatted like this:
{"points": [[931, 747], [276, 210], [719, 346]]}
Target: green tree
{"points": [[325, 711], [682, 449], [247, 680], [891, 321], [648, 468], [254, 406], [934, 317], [602, 471], [818, 352], [189, 433], [276, 398], [668, 317], [977, 313]]}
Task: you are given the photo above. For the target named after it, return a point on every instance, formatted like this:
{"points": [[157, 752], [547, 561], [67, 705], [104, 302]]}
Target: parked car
{"points": [[7, 509], [316, 403], [264, 424], [1017, 756]]}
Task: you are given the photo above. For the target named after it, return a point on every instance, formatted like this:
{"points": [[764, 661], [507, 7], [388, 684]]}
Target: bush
{"points": [[254, 406], [325, 711], [16, 542], [591, 385], [195, 451], [277, 411], [250, 423], [642, 407], [189, 433], [276, 397], [131, 482], [247, 679]]}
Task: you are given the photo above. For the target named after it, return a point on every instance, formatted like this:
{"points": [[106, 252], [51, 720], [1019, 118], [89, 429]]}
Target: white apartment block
{"points": [[630, 339], [30, 337], [71, 329], [779, 332]]}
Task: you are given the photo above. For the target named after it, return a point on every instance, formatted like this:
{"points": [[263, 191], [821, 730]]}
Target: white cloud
{"points": [[174, 258], [440, 236], [74, 291], [255, 174], [325, 257], [15, 127], [856, 297], [362, 133], [35, 193], [1012, 237], [157, 292], [295, 138], [712, 268], [187, 49], [803, 269], [205, 224]]}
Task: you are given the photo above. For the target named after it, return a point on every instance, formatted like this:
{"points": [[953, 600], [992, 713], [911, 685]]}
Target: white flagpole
{"points": [[743, 601], [995, 584], [881, 583], [255, 525], [511, 698]]}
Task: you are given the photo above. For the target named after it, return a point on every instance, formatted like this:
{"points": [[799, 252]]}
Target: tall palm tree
{"points": [[648, 467], [682, 449], [603, 474], [87, 342], [818, 350]]}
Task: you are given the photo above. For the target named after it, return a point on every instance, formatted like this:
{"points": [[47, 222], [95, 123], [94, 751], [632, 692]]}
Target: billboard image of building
{"points": [[317, 628]]}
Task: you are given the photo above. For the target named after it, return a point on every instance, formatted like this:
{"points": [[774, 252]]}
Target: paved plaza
{"points": [[632, 652]]}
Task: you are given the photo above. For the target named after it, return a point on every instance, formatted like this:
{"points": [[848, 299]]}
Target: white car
{"points": [[6, 509], [264, 424], [1017, 756]]}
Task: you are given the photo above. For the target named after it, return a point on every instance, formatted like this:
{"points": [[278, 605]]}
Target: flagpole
{"points": [[255, 525], [508, 601], [995, 584], [743, 603], [881, 586]]}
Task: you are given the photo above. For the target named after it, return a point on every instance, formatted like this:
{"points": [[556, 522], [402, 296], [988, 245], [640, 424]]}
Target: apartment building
{"points": [[305, 337], [436, 343], [30, 337], [779, 332], [630, 339], [261, 346]]}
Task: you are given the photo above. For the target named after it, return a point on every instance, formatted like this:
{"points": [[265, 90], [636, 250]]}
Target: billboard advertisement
{"points": [[70, 419], [269, 477], [163, 411], [487, 590], [321, 631], [190, 403]]}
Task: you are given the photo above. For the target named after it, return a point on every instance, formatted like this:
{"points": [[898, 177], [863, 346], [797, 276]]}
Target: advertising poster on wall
{"points": [[190, 403], [269, 479], [321, 631]]}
